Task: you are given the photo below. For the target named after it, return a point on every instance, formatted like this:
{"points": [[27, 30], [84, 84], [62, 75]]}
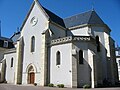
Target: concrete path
{"points": [[31, 87]]}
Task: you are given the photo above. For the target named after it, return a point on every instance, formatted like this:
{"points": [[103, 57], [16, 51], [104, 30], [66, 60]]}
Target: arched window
{"points": [[98, 43], [32, 44], [11, 62], [58, 58], [80, 57]]}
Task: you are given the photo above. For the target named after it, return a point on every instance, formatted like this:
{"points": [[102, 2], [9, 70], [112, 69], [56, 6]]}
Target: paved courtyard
{"points": [[30, 87]]}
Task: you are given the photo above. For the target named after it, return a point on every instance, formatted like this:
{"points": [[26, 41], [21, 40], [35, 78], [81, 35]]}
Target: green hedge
{"points": [[51, 85], [60, 85], [86, 86]]}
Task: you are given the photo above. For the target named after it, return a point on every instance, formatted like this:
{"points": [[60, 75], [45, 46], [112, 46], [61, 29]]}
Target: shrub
{"points": [[106, 83], [19, 83], [35, 84], [60, 85], [86, 86], [5, 81], [51, 85]]}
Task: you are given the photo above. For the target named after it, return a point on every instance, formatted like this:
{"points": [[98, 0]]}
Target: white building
{"points": [[118, 60], [73, 51]]}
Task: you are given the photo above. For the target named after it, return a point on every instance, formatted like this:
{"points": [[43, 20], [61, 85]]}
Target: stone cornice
{"points": [[71, 39]]}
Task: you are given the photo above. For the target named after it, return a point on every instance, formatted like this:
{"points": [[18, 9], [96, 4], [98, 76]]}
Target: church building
{"points": [[73, 51]]}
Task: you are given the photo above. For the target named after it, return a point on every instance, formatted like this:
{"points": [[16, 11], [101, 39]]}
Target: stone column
{"points": [[74, 70], [19, 62], [44, 60], [113, 69], [74, 73]]}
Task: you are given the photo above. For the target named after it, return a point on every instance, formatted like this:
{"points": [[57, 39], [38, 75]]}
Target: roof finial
{"points": [[117, 46], [17, 29], [93, 6]]}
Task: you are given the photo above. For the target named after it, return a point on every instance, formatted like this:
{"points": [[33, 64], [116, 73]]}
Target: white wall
{"points": [[27, 32], [10, 71], [0, 70], [61, 74], [0, 66], [118, 64], [79, 32]]}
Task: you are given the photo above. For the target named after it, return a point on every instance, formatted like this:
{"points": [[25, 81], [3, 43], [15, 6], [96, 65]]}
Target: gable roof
{"points": [[89, 17], [51, 16]]}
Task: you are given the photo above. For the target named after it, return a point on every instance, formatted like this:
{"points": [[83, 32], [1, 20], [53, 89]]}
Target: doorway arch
{"points": [[31, 75]]}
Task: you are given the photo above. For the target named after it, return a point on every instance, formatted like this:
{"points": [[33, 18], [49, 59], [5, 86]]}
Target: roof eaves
{"points": [[14, 35], [5, 39], [78, 26]]}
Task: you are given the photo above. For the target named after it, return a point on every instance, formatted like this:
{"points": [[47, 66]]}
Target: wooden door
{"points": [[32, 78]]}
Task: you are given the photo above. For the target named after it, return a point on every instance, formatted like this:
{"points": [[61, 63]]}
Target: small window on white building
{"points": [[32, 44], [118, 52], [98, 43], [58, 58], [5, 44], [80, 57], [11, 62], [119, 62]]}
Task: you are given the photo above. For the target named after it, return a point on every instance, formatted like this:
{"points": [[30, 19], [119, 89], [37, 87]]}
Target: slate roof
{"points": [[10, 42], [89, 17], [15, 37], [54, 17], [5, 39]]}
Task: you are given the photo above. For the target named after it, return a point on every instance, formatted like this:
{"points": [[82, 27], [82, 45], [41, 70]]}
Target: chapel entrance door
{"points": [[32, 78], [31, 75]]}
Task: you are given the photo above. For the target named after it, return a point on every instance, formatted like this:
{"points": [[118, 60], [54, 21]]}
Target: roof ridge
{"points": [[40, 6], [78, 14], [51, 12], [90, 16], [94, 14]]}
